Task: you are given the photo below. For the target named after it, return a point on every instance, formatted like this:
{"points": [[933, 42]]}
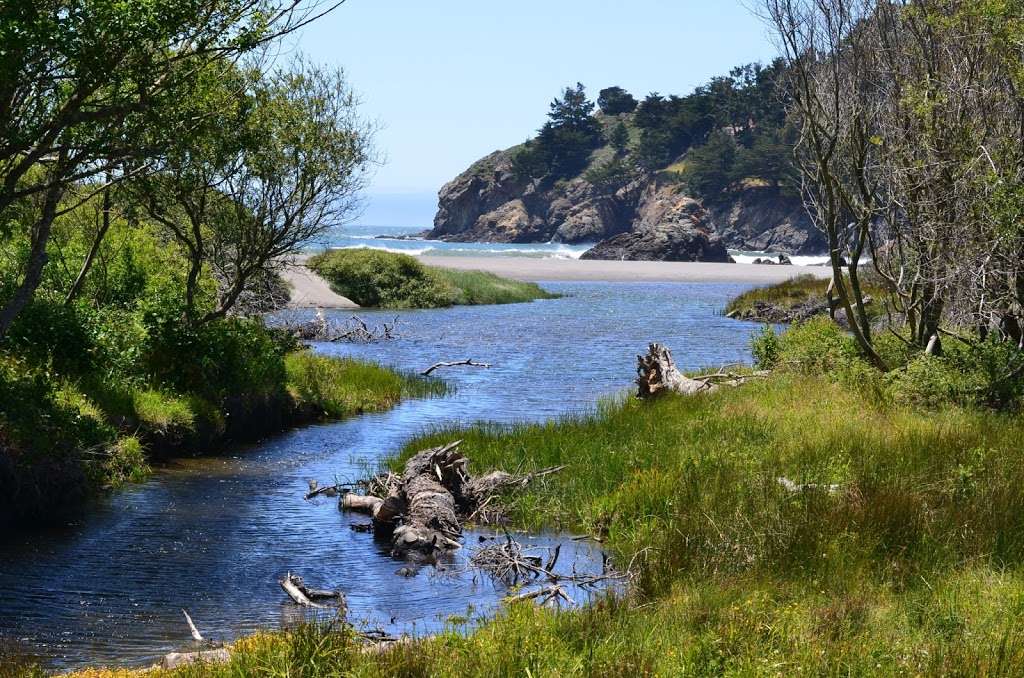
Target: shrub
{"points": [[988, 373], [765, 346], [126, 462], [816, 346], [49, 334], [375, 278], [214, 360], [389, 280]]}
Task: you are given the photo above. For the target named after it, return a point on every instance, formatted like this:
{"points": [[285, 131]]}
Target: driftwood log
{"points": [[425, 506], [459, 363], [306, 596], [657, 373]]}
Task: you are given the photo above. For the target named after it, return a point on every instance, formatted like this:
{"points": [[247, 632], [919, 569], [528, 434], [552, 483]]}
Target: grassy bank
{"points": [[388, 280], [798, 298], [912, 567], [93, 405]]}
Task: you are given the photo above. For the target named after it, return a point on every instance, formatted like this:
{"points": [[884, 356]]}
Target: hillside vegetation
{"points": [[389, 280]]}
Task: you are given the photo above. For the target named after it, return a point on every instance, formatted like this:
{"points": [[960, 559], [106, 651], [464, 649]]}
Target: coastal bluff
{"points": [[651, 218]]}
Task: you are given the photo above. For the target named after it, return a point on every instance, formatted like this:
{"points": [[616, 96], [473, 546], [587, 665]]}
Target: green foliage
{"points": [[341, 387], [563, 145], [610, 175], [618, 138], [615, 101], [390, 280], [709, 168], [384, 279], [126, 462], [480, 287], [766, 347], [215, 360], [51, 335], [912, 567], [986, 374]]}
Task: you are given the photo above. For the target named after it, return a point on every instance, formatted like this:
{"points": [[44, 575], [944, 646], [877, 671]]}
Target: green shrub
{"points": [[389, 280], [126, 462], [765, 347], [988, 373], [816, 346], [375, 278], [49, 334], [215, 360]]}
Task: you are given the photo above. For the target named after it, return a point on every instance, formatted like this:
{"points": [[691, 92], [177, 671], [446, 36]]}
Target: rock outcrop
{"points": [[668, 226], [649, 218]]}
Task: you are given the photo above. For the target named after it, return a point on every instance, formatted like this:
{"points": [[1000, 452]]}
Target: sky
{"points": [[452, 80]]}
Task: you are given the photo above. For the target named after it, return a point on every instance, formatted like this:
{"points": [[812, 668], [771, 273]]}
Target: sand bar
{"points": [[540, 270], [308, 290]]}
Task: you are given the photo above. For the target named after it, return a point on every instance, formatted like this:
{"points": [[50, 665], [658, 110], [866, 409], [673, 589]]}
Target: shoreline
{"points": [[528, 269], [309, 290]]}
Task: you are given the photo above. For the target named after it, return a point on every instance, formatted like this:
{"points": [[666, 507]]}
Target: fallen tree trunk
{"points": [[657, 373], [425, 506]]}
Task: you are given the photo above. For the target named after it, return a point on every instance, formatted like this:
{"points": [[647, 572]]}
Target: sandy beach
{"points": [[308, 290], [311, 291], [539, 270]]}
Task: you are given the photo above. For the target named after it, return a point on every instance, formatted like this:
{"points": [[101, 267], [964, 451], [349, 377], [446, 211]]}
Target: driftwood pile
{"points": [[423, 508], [657, 373], [352, 330]]}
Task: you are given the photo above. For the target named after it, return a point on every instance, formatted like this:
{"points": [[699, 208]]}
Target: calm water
{"points": [[214, 535]]}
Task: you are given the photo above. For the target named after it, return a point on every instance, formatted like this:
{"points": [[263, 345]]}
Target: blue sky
{"points": [[452, 80]]}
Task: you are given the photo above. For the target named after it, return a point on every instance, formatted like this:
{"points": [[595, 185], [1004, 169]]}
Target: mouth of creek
{"points": [[213, 535]]}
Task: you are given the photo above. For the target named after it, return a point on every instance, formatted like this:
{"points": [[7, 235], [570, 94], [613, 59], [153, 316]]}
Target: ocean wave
{"points": [[750, 257], [445, 249]]}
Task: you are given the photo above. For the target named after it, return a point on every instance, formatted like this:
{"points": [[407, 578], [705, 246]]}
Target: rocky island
{"points": [[645, 181]]}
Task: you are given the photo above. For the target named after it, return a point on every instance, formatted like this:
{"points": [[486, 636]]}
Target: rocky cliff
{"points": [[650, 218]]}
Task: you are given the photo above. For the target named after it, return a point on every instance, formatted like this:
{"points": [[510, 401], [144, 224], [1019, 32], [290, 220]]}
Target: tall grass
{"points": [[913, 567], [796, 291], [480, 287], [341, 387]]}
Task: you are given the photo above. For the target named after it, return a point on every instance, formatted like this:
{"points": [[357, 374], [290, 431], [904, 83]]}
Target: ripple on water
{"points": [[214, 535]]}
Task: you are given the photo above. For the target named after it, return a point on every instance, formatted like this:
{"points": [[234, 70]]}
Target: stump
{"points": [[657, 373]]}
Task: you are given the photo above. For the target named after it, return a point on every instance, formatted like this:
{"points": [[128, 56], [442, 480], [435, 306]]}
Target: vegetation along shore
{"points": [[846, 498]]}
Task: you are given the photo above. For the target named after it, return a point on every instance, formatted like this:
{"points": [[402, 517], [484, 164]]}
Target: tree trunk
{"points": [[36, 261], [76, 287]]}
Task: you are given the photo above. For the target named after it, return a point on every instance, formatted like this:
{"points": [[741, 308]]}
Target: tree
{"points": [[615, 100], [79, 79], [278, 168], [827, 55], [618, 138], [563, 145]]}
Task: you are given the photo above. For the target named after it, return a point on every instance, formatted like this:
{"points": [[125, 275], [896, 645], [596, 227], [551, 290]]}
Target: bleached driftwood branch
{"points": [[467, 363]]}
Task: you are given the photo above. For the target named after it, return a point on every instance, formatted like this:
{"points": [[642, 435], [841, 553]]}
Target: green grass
{"points": [[341, 387], [913, 568], [791, 293], [387, 280]]}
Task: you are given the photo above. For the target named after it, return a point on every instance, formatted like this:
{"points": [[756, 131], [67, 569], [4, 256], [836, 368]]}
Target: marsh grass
{"points": [[480, 287], [912, 568], [341, 387], [796, 291]]}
